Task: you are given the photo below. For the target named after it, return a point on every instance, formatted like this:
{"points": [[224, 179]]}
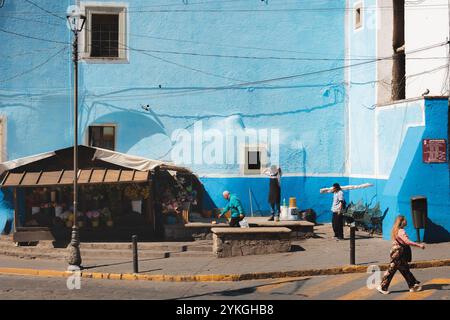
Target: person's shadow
{"points": [[427, 287]]}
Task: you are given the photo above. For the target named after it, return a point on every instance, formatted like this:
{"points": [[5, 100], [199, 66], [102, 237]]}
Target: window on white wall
{"points": [[105, 34], [358, 12], [255, 159]]}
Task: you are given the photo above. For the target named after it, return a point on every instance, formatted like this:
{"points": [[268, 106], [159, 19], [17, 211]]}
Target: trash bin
{"points": [[419, 211]]}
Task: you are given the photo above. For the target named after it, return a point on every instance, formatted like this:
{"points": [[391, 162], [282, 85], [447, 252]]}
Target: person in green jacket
{"points": [[235, 206]]}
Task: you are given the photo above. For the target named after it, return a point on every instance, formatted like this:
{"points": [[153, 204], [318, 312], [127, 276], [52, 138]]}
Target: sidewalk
{"points": [[321, 252]]}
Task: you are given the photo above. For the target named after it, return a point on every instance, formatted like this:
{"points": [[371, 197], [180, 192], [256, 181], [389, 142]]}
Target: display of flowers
{"points": [[132, 192], [92, 215], [136, 192]]}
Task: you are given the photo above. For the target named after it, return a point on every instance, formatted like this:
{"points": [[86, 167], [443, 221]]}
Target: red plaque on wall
{"points": [[434, 150]]}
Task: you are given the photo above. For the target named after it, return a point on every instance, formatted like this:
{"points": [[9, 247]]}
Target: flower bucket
{"points": [[95, 223], [136, 206], [109, 223]]}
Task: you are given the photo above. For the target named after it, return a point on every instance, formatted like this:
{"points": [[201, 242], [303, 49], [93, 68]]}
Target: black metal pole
{"points": [[135, 254], [352, 245], [74, 257]]}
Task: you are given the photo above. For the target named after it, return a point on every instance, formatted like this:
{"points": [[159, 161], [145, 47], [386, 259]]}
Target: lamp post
{"points": [[75, 23]]}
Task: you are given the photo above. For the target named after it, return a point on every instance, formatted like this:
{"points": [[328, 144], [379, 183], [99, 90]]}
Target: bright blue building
{"points": [[303, 75]]}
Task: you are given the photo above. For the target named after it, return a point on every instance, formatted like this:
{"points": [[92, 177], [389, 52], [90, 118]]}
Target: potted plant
{"points": [[93, 216], [107, 217]]}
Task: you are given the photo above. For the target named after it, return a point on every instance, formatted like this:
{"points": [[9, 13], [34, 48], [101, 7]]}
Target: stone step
{"points": [[111, 250], [191, 254], [120, 254], [143, 246], [202, 248]]}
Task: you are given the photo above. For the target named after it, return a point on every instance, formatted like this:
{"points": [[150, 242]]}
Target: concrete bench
{"points": [[232, 242], [300, 229], [191, 231], [202, 230]]}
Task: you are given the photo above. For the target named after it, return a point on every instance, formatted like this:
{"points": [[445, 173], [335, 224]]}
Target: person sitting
{"points": [[235, 206]]}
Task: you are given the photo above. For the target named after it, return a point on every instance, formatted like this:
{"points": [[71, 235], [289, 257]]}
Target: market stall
{"points": [[119, 195]]}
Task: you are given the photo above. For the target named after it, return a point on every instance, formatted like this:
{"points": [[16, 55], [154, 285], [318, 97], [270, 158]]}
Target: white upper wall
{"points": [[385, 25], [427, 24]]}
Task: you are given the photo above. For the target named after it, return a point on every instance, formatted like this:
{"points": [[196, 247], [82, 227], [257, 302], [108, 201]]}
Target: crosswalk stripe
{"points": [[426, 293], [328, 285], [364, 292], [277, 284]]}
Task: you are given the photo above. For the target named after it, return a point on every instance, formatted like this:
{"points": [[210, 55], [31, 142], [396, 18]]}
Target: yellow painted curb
{"points": [[217, 277]]}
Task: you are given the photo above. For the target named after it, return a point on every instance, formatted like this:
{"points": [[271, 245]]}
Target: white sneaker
{"points": [[417, 287], [382, 291]]}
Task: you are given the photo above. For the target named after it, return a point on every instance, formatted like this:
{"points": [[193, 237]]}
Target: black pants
{"points": [[275, 208], [338, 225], [398, 262], [234, 222]]}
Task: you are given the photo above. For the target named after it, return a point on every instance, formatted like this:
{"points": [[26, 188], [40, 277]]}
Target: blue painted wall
{"points": [[183, 63], [308, 108]]}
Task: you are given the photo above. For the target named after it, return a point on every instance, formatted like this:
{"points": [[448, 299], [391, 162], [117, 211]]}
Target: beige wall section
{"points": [[3, 156], [427, 24], [384, 49]]}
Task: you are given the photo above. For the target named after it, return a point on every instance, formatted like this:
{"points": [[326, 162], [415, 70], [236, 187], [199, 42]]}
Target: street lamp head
{"points": [[75, 19]]}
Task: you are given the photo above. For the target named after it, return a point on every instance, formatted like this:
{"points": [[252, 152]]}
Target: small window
{"points": [[358, 16], [254, 160], [102, 137], [105, 34]]}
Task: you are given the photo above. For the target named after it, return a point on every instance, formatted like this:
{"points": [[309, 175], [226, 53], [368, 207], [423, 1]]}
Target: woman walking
{"points": [[274, 174], [400, 256]]}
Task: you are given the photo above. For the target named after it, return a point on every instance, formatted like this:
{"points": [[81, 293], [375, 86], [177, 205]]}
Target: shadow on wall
{"points": [[435, 233]]}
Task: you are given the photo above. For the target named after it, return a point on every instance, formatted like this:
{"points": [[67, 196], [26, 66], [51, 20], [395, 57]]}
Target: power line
{"points": [[45, 10], [267, 9], [290, 77], [31, 37], [33, 68], [25, 53], [266, 57]]}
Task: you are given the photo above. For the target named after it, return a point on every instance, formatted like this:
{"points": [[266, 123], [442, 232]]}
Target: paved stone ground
{"points": [[316, 253], [436, 284]]}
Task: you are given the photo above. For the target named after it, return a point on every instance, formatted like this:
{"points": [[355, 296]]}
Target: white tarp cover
{"points": [[114, 157], [125, 160], [9, 165]]}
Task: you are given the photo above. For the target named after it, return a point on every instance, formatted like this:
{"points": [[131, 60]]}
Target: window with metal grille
{"points": [[105, 35], [102, 137]]}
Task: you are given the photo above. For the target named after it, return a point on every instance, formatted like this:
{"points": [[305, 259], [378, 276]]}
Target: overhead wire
{"points": [[34, 67]]}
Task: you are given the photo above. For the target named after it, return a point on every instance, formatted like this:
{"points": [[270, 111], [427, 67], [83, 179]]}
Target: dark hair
{"points": [[336, 186]]}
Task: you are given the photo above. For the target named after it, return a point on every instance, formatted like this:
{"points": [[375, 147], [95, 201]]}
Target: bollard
{"points": [[352, 244], [135, 254]]}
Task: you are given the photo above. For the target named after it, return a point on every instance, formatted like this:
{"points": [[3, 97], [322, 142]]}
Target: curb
{"points": [[216, 277]]}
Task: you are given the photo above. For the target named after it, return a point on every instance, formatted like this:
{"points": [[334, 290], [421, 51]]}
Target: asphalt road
{"points": [[436, 282]]}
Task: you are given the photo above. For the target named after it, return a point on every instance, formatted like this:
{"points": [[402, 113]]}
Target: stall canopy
{"points": [[95, 166]]}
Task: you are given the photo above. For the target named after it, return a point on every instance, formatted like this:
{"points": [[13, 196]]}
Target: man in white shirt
{"points": [[337, 209]]}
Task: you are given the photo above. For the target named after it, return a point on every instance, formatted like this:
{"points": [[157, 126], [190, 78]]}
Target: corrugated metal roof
{"points": [[65, 177]]}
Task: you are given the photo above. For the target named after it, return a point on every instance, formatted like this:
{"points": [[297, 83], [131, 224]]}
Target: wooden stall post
{"points": [[16, 210], [150, 204]]}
